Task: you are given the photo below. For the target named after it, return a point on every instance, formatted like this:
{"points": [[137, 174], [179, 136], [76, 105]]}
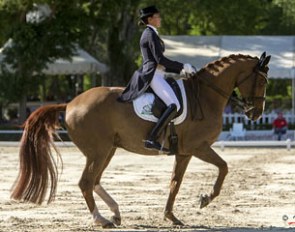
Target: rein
{"points": [[246, 103], [240, 103]]}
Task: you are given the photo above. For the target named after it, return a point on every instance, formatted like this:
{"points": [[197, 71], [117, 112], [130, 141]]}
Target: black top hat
{"points": [[148, 11]]}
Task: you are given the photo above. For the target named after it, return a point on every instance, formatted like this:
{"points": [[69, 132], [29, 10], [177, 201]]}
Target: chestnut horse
{"points": [[98, 124]]}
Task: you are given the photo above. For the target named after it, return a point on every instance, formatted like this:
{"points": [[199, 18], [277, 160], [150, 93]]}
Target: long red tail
{"points": [[37, 164]]}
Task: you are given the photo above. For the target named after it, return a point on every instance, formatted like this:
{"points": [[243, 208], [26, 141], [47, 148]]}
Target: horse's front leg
{"points": [[180, 166], [207, 154]]}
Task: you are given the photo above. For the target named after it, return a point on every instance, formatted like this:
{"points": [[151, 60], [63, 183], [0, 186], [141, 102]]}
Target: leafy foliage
{"points": [[108, 30], [35, 44]]}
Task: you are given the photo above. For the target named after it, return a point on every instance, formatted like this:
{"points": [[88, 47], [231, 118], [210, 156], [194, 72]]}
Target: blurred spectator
{"points": [[280, 126], [230, 103], [227, 109]]}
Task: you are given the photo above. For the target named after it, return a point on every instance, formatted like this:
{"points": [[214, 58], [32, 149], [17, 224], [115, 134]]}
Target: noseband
{"points": [[248, 102]]}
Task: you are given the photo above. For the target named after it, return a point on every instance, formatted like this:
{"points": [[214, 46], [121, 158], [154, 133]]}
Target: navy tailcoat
{"points": [[152, 48]]}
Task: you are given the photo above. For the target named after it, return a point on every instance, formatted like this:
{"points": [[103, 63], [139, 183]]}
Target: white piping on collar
{"points": [[153, 28]]}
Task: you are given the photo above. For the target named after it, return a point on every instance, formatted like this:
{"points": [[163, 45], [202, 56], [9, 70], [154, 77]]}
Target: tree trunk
{"points": [[1, 113], [121, 52], [93, 80], [22, 109]]}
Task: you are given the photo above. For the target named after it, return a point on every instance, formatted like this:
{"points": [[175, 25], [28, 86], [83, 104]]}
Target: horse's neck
{"points": [[216, 90], [216, 81], [215, 87]]}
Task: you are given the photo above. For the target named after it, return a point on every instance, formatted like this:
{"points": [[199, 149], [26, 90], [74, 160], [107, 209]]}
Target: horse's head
{"points": [[252, 86]]}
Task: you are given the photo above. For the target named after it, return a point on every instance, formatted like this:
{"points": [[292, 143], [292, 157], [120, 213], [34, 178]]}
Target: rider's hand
{"points": [[189, 70]]}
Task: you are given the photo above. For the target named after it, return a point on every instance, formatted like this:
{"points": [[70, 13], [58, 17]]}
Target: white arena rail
{"points": [[222, 143], [21, 131], [263, 143], [288, 144], [265, 118]]}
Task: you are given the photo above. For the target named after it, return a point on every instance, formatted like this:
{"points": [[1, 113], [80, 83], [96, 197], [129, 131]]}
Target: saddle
{"points": [[150, 107]]}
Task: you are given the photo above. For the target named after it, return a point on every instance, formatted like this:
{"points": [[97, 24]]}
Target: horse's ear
{"points": [[266, 61], [262, 64], [262, 56]]}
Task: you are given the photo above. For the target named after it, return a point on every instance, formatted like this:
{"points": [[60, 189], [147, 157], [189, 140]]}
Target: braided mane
{"points": [[218, 64]]}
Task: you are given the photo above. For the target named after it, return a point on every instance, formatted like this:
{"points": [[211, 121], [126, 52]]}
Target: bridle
{"points": [[249, 101], [245, 103]]}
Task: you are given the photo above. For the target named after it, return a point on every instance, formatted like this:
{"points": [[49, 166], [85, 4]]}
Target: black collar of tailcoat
{"points": [[161, 41]]}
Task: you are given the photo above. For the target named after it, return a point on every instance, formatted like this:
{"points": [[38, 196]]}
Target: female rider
{"points": [[152, 72]]}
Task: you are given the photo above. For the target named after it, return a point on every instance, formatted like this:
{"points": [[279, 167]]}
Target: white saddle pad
{"points": [[143, 106]]}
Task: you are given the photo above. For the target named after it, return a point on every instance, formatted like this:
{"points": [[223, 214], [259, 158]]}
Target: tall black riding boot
{"points": [[166, 117]]}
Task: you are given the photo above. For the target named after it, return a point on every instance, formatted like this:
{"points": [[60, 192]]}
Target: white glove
{"points": [[189, 69]]}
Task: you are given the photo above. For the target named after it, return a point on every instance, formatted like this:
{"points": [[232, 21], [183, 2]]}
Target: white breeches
{"points": [[163, 89]]}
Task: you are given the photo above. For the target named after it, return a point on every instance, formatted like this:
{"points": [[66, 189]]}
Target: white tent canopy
{"points": [[200, 50], [80, 63]]}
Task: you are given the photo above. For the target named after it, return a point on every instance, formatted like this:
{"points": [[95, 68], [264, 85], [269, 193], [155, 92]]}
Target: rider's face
{"points": [[155, 20]]}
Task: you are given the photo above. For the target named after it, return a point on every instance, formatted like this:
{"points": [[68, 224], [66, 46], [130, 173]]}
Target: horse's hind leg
{"points": [[111, 203], [208, 155], [94, 167], [180, 166]]}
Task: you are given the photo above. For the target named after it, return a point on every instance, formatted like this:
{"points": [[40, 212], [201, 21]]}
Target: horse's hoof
{"points": [[204, 201], [178, 223], [116, 220], [109, 225], [171, 217]]}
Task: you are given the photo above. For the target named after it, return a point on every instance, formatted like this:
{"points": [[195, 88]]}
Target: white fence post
{"points": [[265, 118]]}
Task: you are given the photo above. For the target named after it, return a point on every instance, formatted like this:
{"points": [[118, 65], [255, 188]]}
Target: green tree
{"points": [[281, 18], [226, 17], [113, 36], [35, 44], [108, 30]]}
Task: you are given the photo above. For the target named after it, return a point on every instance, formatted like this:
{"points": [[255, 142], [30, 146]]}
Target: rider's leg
{"points": [[163, 91]]}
